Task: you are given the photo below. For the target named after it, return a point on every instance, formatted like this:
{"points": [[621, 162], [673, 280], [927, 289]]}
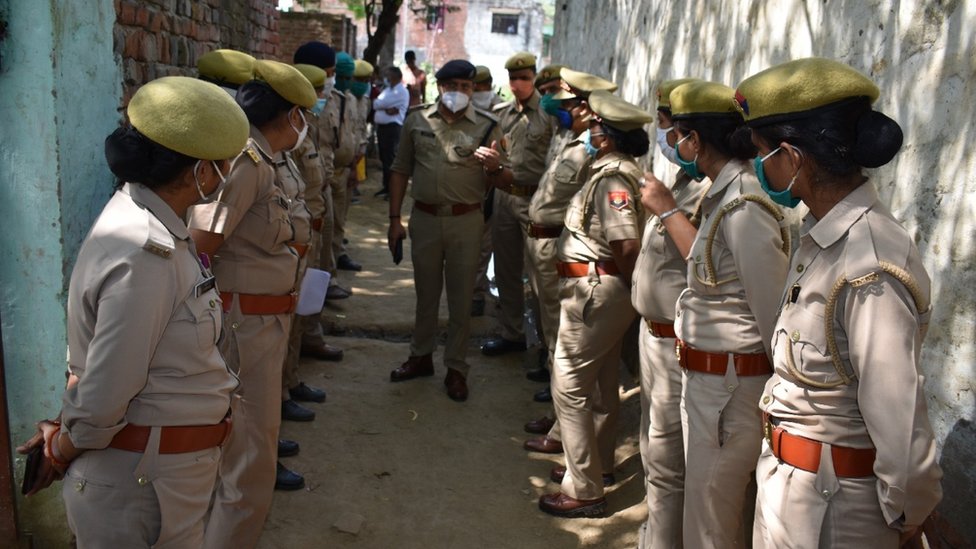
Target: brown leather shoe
{"points": [[540, 426], [561, 505], [559, 472], [457, 386], [321, 351], [415, 366], [545, 445]]}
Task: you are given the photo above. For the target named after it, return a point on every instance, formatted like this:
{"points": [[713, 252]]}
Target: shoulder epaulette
{"points": [[159, 241], [501, 106], [486, 114], [420, 107]]}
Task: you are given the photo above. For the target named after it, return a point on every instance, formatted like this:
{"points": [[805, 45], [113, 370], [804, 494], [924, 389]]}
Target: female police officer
{"points": [[849, 459], [144, 413]]}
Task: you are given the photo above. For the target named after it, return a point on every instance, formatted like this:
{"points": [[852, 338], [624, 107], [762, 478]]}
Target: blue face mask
{"points": [[590, 149], [319, 106], [783, 198], [690, 168], [565, 119]]}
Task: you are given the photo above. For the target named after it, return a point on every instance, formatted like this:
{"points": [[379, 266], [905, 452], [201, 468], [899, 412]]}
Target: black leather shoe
{"points": [[457, 386], [321, 351], [337, 292], [540, 375], [415, 366], [346, 263], [304, 393], [293, 411], [382, 193], [543, 395], [500, 346], [540, 426], [287, 448], [478, 307], [559, 472], [286, 479]]}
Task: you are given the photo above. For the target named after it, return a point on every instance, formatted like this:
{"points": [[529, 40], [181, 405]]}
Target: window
{"points": [[435, 17], [504, 23]]}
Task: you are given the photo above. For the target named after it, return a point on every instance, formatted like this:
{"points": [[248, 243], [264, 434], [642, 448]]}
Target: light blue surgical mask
{"points": [[783, 198], [690, 168], [319, 106], [590, 149]]}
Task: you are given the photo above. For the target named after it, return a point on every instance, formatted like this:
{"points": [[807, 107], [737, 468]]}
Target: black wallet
{"points": [[32, 467]]}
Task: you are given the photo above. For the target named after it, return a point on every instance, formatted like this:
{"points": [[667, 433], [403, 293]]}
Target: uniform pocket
{"points": [[279, 229], [566, 172], [205, 313], [800, 336]]}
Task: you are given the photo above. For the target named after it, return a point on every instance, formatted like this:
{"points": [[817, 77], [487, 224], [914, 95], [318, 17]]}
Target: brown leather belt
{"points": [[804, 453], [317, 224], [173, 440], [252, 304], [660, 329], [300, 249], [576, 270], [519, 190], [717, 363], [446, 209], [541, 231]]}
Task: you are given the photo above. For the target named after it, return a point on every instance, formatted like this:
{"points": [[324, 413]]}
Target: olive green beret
{"points": [[287, 81], [481, 74], [615, 112], [363, 69], [315, 75], [582, 84], [700, 98], [786, 90], [548, 74], [189, 116], [665, 88], [519, 61], [229, 66]]}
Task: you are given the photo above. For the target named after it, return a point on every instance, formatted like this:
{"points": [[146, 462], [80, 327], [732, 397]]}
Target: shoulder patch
{"points": [[501, 106], [619, 200]]}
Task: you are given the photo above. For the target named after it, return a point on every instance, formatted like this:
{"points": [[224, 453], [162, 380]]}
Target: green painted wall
{"points": [[59, 89]]}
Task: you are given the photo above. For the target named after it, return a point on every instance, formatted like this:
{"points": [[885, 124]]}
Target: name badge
{"points": [[208, 284]]}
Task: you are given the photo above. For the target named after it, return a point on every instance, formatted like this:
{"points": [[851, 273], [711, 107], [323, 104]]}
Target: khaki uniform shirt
{"points": [[348, 144], [879, 331], [440, 155], [143, 323], [661, 272], [606, 209], [309, 164], [330, 124], [526, 137], [363, 105], [251, 212], [736, 312], [290, 181], [560, 182]]}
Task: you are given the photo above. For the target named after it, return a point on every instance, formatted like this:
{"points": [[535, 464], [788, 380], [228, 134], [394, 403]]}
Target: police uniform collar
{"points": [[614, 157], [151, 201], [726, 175], [533, 101], [259, 142], [838, 221]]}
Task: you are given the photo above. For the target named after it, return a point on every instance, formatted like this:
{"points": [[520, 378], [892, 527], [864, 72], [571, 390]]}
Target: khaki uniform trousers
{"points": [[797, 508], [254, 348], [107, 506], [540, 261], [661, 442], [327, 259], [481, 284], [303, 328], [340, 205], [721, 423], [444, 251], [595, 312], [511, 215]]}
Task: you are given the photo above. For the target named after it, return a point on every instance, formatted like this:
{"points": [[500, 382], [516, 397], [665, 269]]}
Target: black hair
{"points": [[395, 70], [727, 134], [636, 143], [135, 158], [842, 138], [261, 103], [409, 54]]}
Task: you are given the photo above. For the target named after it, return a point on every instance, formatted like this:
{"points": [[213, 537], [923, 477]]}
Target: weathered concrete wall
{"points": [[921, 56], [493, 49]]}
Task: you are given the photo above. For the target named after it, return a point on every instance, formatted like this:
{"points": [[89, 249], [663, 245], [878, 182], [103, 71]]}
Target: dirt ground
{"points": [[412, 468]]}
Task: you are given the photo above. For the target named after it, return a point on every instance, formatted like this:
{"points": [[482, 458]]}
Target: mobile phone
{"points": [[398, 251], [32, 467]]}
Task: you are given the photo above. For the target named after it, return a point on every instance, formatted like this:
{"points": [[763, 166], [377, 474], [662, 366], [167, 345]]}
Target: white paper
{"points": [[311, 297]]}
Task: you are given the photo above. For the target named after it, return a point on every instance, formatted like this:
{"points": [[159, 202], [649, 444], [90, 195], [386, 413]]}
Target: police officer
{"points": [[849, 458], [226, 68], [484, 98], [527, 131], [724, 318], [451, 151], [346, 148], [146, 408], [246, 232], [361, 88], [659, 277], [596, 252]]}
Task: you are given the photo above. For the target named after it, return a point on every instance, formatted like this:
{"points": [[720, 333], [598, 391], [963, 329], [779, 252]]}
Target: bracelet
{"points": [[668, 213]]}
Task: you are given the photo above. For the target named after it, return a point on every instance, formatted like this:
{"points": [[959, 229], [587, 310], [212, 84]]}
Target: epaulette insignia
{"points": [[161, 251], [253, 154]]}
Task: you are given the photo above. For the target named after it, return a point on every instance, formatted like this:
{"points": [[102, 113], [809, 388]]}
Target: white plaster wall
{"points": [[492, 49], [921, 55]]}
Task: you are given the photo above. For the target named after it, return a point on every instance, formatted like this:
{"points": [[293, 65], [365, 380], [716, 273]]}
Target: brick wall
{"points": [[155, 38], [438, 46], [296, 28]]}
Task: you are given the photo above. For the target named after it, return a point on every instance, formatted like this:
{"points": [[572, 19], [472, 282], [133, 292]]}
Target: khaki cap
{"points": [[363, 69], [189, 116], [315, 75], [665, 88], [548, 74], [700, 98], [230, 66], [617, 113], [582, 84], [788, 90], [519, 61], [481, 74], [287, 82]]}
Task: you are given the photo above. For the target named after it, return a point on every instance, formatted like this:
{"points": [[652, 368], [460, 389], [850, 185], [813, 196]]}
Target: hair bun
{"points": [[878, 140], [128, 153]]}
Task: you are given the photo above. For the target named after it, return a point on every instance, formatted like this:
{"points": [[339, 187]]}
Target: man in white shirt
{"points": [[389, 109]]}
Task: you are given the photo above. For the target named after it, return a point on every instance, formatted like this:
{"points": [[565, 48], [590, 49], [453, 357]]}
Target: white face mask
{"points": [[302, 133], [455, 101], [662, 142], [207, 198], [328, 86], [482, 99]]}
